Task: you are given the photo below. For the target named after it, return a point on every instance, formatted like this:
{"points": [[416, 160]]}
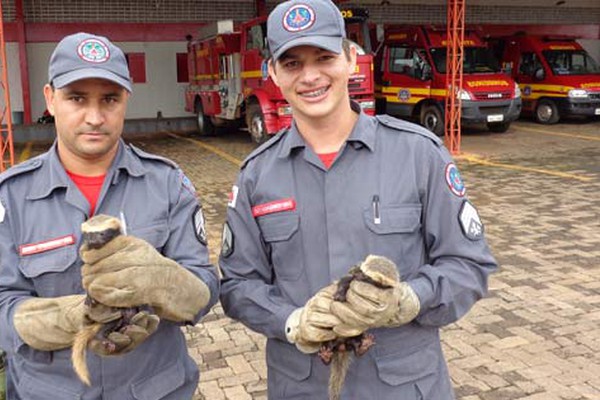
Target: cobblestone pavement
{"points": [[535, 337]]}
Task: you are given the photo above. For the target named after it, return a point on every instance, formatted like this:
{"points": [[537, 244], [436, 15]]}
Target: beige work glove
{"points": [[387, 303], [130, 272], [50, 323], [142, 325], [309, 326]]}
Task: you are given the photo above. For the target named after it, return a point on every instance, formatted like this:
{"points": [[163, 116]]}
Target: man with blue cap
{"points": [[339, 188], [161, 264]]}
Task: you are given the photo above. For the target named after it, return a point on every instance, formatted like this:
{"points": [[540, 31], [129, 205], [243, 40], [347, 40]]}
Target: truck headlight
{"points": [[284, 110], [578, 93], [517, 91], [367, 105], [463, 95]]}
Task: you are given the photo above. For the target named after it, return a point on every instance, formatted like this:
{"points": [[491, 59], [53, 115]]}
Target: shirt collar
{"points": [[363, 134], [52, 175]]}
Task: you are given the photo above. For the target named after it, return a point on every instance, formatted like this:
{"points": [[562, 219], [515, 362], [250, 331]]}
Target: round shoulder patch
{"points": [[94, 51], [298, 18], [186, 182], [454, 181]]}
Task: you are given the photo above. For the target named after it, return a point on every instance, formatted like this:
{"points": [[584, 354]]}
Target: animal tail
{"points": [[78, 354], [339, 367]]}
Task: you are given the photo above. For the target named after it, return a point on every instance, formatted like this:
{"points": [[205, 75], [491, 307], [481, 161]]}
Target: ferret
{"points": [[378, 271], [97, 231]]}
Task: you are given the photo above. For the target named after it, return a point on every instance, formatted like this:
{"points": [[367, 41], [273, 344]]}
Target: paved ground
{"points": [[536, 336]]}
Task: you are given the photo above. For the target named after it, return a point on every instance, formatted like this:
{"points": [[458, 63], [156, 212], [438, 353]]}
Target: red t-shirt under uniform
{"points": [[90, 186]]}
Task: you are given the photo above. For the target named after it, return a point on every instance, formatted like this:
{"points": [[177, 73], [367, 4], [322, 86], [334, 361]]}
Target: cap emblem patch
{"points": [[93, 50], [298, 18]]}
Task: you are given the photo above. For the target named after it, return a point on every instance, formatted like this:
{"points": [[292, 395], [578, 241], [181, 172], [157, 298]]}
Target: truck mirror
{"points": [[539, 74], [426, 72], [264, 53]]}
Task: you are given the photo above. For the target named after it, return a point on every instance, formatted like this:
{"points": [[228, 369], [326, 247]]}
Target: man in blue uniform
{"points": [[324, 194], [163, 262]]}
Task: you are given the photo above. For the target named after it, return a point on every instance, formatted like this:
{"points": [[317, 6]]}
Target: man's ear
{"points": [[272, 74], [49, 96], [353, 53]]}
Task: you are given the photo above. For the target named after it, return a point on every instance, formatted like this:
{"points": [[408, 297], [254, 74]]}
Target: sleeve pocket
{"points": [[278, 227], [52, 261], [394, 219]]}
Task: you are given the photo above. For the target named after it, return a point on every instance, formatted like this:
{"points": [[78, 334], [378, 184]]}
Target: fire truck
{"points": [[230, 85], [411, 80], [556, 75]]}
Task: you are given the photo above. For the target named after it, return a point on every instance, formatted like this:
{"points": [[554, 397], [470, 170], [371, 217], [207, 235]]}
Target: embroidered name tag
{"points": [[273, 207], [35, 248]]}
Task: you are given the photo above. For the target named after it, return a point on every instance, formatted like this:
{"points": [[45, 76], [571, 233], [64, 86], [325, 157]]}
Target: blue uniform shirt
{"points": [[294, 226], [41, 205]]}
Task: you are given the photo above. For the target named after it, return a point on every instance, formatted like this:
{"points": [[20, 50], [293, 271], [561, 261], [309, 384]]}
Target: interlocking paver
{"points": [[537, 334]]}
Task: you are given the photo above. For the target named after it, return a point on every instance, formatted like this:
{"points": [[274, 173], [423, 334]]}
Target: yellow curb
{"points": [[478, 160], [26, 153], [213, 149]]}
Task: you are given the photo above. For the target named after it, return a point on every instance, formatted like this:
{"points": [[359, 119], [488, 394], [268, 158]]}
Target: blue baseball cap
{"points": [[295, 23], [82, 56]]}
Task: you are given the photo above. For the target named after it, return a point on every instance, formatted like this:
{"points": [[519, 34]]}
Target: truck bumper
{"points": [[475, 112], [585, 107], [399, 110]]}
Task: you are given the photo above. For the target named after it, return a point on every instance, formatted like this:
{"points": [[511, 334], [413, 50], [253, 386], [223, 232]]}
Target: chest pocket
{"points": [[156, 233], [54, 273], [397, 235], [394, 219], [280, 233]]}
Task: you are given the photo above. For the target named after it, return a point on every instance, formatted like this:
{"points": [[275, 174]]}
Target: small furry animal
{"points": [[97, 231], [378, 271]]}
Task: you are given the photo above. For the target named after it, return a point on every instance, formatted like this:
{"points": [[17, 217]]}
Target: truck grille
{"points": [[355, 87], [492, 96], [594, 96], [493, 110]]}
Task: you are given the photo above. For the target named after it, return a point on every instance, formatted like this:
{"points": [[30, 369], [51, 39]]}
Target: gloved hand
{"points": [[50, 323], [307, 327], [129, 272], [386, 303], [142, 325]]}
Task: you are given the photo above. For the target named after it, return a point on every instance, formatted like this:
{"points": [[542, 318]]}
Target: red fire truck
{"points": [[556, 75], [229, 83], [411, 80]]}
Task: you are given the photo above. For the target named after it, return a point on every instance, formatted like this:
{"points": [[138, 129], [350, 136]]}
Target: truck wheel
{"points": [[205, 125], [432, 119], [498, 127], [256, 123], [546, 112]]}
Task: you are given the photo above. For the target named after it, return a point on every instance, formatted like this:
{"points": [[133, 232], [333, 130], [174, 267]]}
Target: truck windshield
{"points": [[477, 60], [570, 62]]}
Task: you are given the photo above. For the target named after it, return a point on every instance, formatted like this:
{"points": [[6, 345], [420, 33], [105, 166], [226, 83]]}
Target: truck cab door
{"points": [[254, 57], [528, 76], [229, 85], [406, 78]]}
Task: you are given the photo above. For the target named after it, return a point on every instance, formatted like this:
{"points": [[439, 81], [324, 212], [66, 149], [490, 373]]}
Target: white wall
{"points": [[591, 46], [161, 92], [14, 78]]}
